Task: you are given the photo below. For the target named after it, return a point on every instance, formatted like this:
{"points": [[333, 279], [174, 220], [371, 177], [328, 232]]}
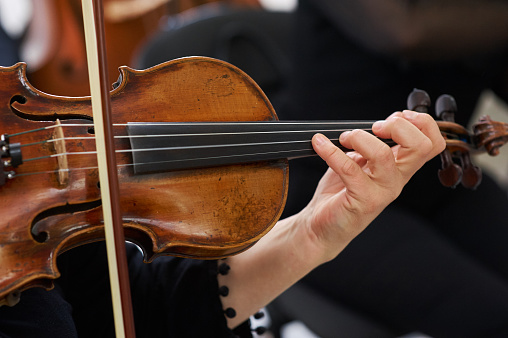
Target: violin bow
{"points": [[110, 191]]}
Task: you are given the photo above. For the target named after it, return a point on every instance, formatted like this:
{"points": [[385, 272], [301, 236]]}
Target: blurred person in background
{"points": [[436, 261]]}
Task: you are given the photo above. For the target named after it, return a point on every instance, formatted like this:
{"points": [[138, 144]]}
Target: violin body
{"points": [[53, 204]]}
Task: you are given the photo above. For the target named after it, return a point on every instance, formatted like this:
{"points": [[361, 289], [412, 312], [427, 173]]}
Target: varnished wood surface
{"points": [[206, 213]]}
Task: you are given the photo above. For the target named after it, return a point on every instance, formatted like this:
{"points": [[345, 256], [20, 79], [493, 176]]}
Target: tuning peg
{"points": [[451, 174], [471, 174], [418, 100], [446, 107]]}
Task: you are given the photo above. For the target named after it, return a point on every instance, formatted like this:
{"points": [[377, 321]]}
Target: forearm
{"points": [[260, 274], [423, 30], [353, 191]]}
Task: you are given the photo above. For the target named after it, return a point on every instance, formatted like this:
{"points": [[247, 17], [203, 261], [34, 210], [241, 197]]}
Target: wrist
{"points": [[305, 247], [318, 245]]}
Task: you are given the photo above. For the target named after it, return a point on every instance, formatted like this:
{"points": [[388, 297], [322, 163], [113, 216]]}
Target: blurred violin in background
{"points": [[55, 45]]}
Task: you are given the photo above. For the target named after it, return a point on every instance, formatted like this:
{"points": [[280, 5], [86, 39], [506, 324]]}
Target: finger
{"points": [[418, 140], [359, 159], [378, 154], [401, 131], [428, 127], [397, 113], [424, 122], [349, 171]]}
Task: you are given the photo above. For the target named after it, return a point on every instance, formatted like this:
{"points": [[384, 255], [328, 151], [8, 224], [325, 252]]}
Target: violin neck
{"points": [[158, 147]]}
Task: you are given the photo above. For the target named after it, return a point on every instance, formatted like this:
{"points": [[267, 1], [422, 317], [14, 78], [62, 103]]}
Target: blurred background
{"points": [[255, 35]]}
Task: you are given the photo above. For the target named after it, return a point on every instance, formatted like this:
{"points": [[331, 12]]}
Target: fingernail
{"points": [[344, 135], [409, 114], [319, 139], [378, 124]]}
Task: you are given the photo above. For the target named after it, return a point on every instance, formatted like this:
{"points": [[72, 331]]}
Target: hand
{"points": [[360, 184], [356, 188]]}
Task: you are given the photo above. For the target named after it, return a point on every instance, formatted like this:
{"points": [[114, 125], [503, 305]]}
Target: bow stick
{"points": [[101, 108]]}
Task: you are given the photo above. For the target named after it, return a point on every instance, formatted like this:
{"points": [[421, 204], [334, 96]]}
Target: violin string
{"points": [[239, 133], [50, 127], [262, 123], [53, 140], [154, 149], [271, 123], [148, 163], [296, 123], [172, 148], [158, 149], [192, 134]]}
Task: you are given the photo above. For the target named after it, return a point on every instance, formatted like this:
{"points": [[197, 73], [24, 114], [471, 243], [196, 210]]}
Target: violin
{"points": [[487, 136], [202, 163], [60, 67]]}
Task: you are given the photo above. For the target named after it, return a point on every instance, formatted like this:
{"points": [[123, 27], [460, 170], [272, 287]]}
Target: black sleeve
{"points": [[178, 296], [172, 297]]}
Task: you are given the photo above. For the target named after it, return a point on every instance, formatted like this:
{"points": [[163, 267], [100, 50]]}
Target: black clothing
{"points": [[9, 51], [171, 297]]}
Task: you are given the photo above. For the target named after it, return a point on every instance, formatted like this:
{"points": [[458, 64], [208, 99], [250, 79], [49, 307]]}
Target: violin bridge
{"points": [[63, 165]]}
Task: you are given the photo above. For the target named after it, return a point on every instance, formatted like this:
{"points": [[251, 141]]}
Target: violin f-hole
{"points": [[41, 235], [19, 99]]}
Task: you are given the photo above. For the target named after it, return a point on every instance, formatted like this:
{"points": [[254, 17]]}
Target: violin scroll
{"points": [[490, 134]]}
